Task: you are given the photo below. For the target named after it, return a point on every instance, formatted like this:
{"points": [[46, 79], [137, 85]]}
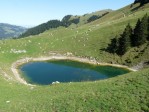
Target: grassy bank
{"points": [[123, 93]]}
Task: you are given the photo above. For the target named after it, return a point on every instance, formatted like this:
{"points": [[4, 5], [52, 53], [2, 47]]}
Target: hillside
{"points": [[125, 93], [68, 20], [84, 18], [120, 94], [10, 31]]}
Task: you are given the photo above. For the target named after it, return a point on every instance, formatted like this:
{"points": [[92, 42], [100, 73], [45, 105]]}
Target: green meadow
{"points": [[126, 93]]}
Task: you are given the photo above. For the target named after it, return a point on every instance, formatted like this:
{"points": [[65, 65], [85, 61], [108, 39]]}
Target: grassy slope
{"points": [[128, 93], [85, 17], [124, 93]]}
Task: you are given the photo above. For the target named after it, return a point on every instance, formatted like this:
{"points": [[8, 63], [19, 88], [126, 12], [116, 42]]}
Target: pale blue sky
{"points": [[34, 12]]}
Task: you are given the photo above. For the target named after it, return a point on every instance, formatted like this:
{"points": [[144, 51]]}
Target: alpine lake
{"points": [[63, 71]]}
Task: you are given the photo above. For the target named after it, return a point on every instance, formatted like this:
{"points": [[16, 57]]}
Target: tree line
{"points": [[142, 2], [65, 22], [41, 28], [95, 17], [130, 37], [49, 25]]}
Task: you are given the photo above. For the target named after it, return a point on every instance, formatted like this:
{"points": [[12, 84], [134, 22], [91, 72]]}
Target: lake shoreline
{"points": [[15, 65]]}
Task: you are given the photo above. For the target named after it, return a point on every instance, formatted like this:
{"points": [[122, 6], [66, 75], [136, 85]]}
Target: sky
{"points": [[35, 12]]}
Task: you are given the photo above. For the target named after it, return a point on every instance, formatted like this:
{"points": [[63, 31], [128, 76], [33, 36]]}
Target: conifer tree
{"points": [[141, 31], [131, 38], [136, 1], [142, 2], [148, 29], [144, 24], [136, 38], [113, 46], [125, 40]]}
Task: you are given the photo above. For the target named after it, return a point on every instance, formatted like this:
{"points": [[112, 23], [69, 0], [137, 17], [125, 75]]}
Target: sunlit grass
{"points": [[126, 93]]}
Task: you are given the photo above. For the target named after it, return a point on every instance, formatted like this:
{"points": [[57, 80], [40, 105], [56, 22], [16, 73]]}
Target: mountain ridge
{"points": [[10, 31], [66, 21]]}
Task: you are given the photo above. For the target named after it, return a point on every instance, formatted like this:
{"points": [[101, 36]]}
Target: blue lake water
{"points": [[44, 73]]}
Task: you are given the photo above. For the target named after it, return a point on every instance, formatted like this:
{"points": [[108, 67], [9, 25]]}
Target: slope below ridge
{"points": [[123, 13], [85, 40], [84, 18], [68, 20]]}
